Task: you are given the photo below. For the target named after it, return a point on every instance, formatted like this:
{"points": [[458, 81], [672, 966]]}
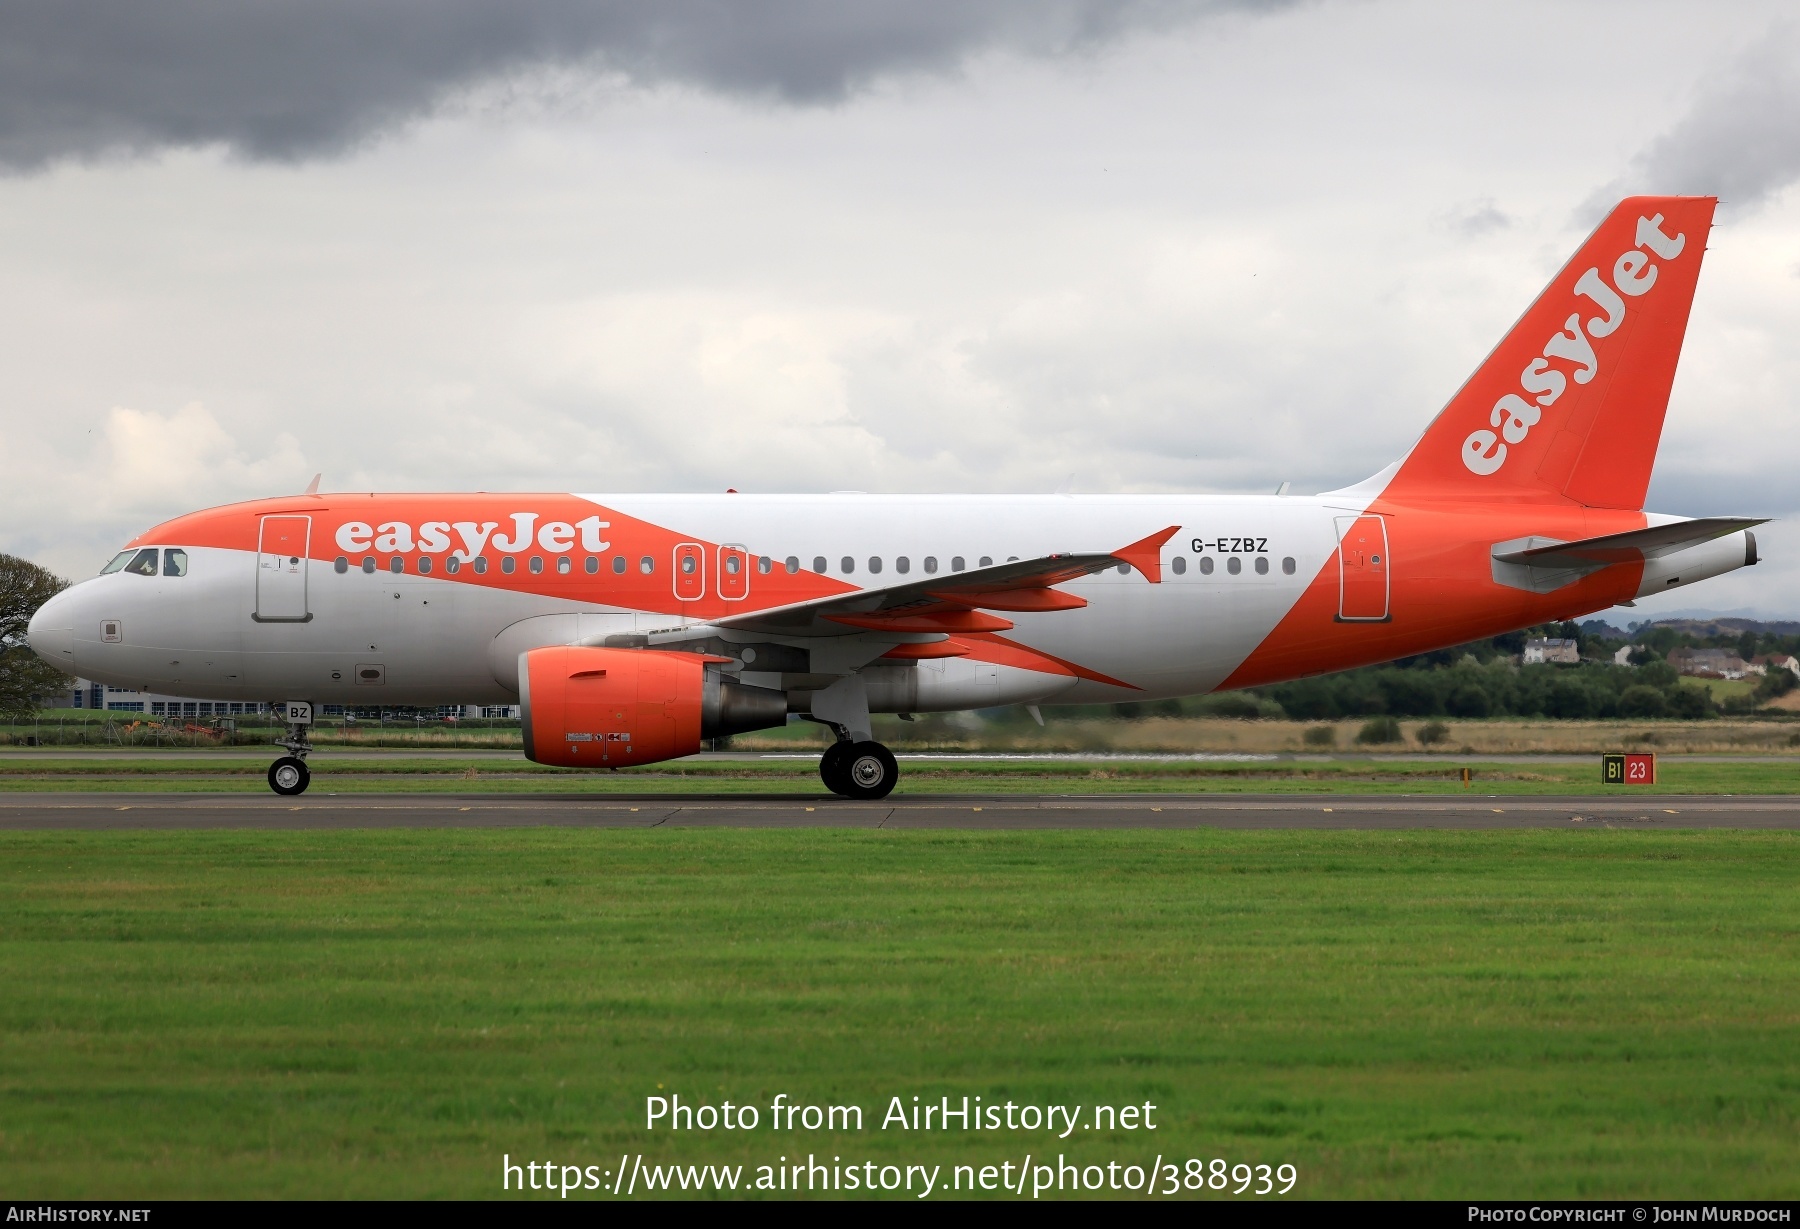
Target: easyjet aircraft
{"points": [[631, 627]]}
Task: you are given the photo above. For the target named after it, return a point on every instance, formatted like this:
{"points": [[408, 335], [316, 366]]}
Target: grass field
{"points": [[1012, 730], [396, 773], [1519, 1013]]}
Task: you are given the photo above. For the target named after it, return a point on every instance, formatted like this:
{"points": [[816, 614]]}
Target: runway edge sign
{"points": [[1633, 769]]}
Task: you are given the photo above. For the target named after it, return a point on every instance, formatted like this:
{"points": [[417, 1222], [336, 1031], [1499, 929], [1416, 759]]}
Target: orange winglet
{"points": [[924, 652], [1146, 554], [1013, 599], [931, 621]]}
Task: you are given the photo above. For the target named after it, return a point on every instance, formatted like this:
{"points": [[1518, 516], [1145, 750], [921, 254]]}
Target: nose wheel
{"points": [[863, 771], [289, 776]]}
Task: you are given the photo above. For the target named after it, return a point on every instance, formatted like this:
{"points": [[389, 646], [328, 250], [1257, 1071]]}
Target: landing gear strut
{"points": [[861, 770], [289, 775]]}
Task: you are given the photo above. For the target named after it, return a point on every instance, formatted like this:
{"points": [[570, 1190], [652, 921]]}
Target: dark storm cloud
{"points": [[294, 78], [1741, 139]]}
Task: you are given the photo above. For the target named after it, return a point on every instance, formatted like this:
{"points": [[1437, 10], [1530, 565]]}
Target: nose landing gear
{"points": [[289, 775], [861, 770]]}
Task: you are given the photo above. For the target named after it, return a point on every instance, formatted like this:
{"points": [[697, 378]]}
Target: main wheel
{"points": [[289, 776], [832, 765], [869, 772]]}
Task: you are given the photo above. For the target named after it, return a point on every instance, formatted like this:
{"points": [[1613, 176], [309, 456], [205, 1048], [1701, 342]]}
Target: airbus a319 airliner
{"points": [[631, 628]]}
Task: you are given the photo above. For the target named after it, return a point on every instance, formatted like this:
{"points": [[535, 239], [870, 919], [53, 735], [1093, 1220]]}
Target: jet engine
{"points": [[609, 708]]}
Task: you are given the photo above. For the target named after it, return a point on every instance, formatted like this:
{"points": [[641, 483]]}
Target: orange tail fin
{"points": [[1570, 405]]}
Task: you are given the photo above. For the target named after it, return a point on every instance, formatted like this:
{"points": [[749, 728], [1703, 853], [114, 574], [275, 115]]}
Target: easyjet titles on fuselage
{"points": [[433, 537]]}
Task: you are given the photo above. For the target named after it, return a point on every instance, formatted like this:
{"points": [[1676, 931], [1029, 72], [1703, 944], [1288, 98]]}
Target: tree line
{"points": [[1485, 679]]}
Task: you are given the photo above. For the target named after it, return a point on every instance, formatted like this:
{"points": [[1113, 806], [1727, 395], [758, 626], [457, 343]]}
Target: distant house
{"points": [[1623, 656], [1775, 661], [1540, 651], [1709, 663]]}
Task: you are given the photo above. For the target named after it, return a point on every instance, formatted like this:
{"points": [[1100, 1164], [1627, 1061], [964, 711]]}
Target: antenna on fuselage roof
{"points": [[1283, 488], [1067, 485], [312, 488]]}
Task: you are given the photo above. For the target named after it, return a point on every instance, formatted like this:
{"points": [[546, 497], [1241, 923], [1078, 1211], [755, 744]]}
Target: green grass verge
{"points": [[364, 774], [1455, 1015]]}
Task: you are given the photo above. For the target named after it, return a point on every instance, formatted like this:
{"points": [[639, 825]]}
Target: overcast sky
{"points": [[976, 246]]}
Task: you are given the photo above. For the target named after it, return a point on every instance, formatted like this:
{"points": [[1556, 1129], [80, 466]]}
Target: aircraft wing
{"points": [[1629, 547], [957, 602]]}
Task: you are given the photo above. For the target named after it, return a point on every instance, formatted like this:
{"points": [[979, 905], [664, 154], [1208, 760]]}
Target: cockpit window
{"points": [[174, 562], [118, 561], [144, 563]]}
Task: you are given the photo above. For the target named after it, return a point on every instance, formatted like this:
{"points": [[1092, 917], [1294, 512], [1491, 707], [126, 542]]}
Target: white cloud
{"points": [[147, 453]]}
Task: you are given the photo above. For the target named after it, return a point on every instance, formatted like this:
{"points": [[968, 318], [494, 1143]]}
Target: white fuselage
{"points": [[1230, 575]]}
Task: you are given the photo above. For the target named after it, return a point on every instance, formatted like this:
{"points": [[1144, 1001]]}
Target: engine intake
{"points": [[607, 708]]}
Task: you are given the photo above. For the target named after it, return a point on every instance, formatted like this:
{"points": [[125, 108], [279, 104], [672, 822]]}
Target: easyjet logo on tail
{"points": [[1513, 417]]}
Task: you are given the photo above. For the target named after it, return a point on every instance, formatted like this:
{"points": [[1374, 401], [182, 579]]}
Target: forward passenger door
{"points": [[281, 554]]}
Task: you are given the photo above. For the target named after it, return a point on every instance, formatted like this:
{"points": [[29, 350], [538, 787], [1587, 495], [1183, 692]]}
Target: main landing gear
{"points": [[861, 770], [289, 775]]}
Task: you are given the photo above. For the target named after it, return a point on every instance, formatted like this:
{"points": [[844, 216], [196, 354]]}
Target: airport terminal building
{"points": [[85, 693]]}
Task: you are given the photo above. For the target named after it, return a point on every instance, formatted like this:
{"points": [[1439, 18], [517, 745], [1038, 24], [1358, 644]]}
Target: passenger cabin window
{"points": [[564, 565], [593, 564], [849, 565], [453, 565], [144, 564], [765, 565], [618, 565], [174, 562], [1206, 565], [956, 564], [792, 564], [368, 564], [507, 564], [397, 565], [1287, 566], [480, 565], [424, 565], [1234, 565], [875, 563], [1178, 565], [930, 564], [1262, 565], [118, 561], [537, 565], [687, 565], [341, 566], [987, 561], [647, 565], [903, 565], [819, 564]]}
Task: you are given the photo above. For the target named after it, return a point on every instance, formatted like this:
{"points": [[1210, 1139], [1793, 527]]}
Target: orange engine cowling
{"points": [[611, 708]]}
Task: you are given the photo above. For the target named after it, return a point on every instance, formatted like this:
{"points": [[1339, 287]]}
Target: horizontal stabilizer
{"points": [[1631, 547]]}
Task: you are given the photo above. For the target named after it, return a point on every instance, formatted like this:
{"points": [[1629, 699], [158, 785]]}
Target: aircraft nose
{"points": [[51, 632]]}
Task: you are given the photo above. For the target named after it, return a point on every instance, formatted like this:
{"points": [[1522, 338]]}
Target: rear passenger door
{"points": [[1362, 569]]}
